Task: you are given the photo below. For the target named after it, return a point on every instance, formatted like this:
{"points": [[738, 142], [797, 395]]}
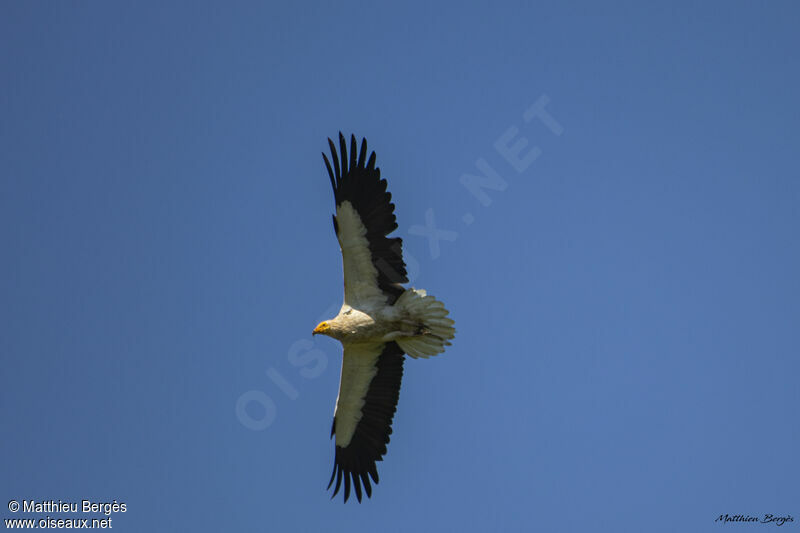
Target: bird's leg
{"points": [[415, 328], [407, 328], [420, 329]]}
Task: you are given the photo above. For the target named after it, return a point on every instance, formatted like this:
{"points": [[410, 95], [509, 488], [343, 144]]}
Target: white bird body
{"points": [[398, 322]]}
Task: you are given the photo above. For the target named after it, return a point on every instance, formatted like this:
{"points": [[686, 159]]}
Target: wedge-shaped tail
{"points": [[432, 329]]}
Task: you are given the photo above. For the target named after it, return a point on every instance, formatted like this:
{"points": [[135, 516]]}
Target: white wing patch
{"points": [[361, 289], [359, 366]]}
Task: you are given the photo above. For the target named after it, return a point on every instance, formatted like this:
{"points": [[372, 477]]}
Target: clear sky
{"points": [[625, 286]]}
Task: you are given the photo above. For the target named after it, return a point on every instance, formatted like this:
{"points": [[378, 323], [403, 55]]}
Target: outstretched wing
{"points": [[373, 264], [368, 393]]}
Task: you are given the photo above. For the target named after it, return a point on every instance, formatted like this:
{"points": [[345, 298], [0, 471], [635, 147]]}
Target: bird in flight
{"points": [[380, 321]]}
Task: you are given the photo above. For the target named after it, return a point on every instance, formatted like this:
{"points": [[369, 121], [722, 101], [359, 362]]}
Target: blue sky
{"points": [[627, 299]]}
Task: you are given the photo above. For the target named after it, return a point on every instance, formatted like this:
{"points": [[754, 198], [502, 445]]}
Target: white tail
{"points": [[430, 315]]}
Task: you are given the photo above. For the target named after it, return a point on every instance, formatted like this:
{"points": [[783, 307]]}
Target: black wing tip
{"points": [[343, 153], [343, 138], [350, 160], [345, 161], [359, 480], [335, 157]]}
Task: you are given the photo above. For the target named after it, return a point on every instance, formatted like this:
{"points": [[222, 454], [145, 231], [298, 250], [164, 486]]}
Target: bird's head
{"points": [[323, 328]]}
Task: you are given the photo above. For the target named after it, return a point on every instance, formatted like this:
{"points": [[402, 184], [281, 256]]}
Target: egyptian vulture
{"points": [[379, 321]]}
